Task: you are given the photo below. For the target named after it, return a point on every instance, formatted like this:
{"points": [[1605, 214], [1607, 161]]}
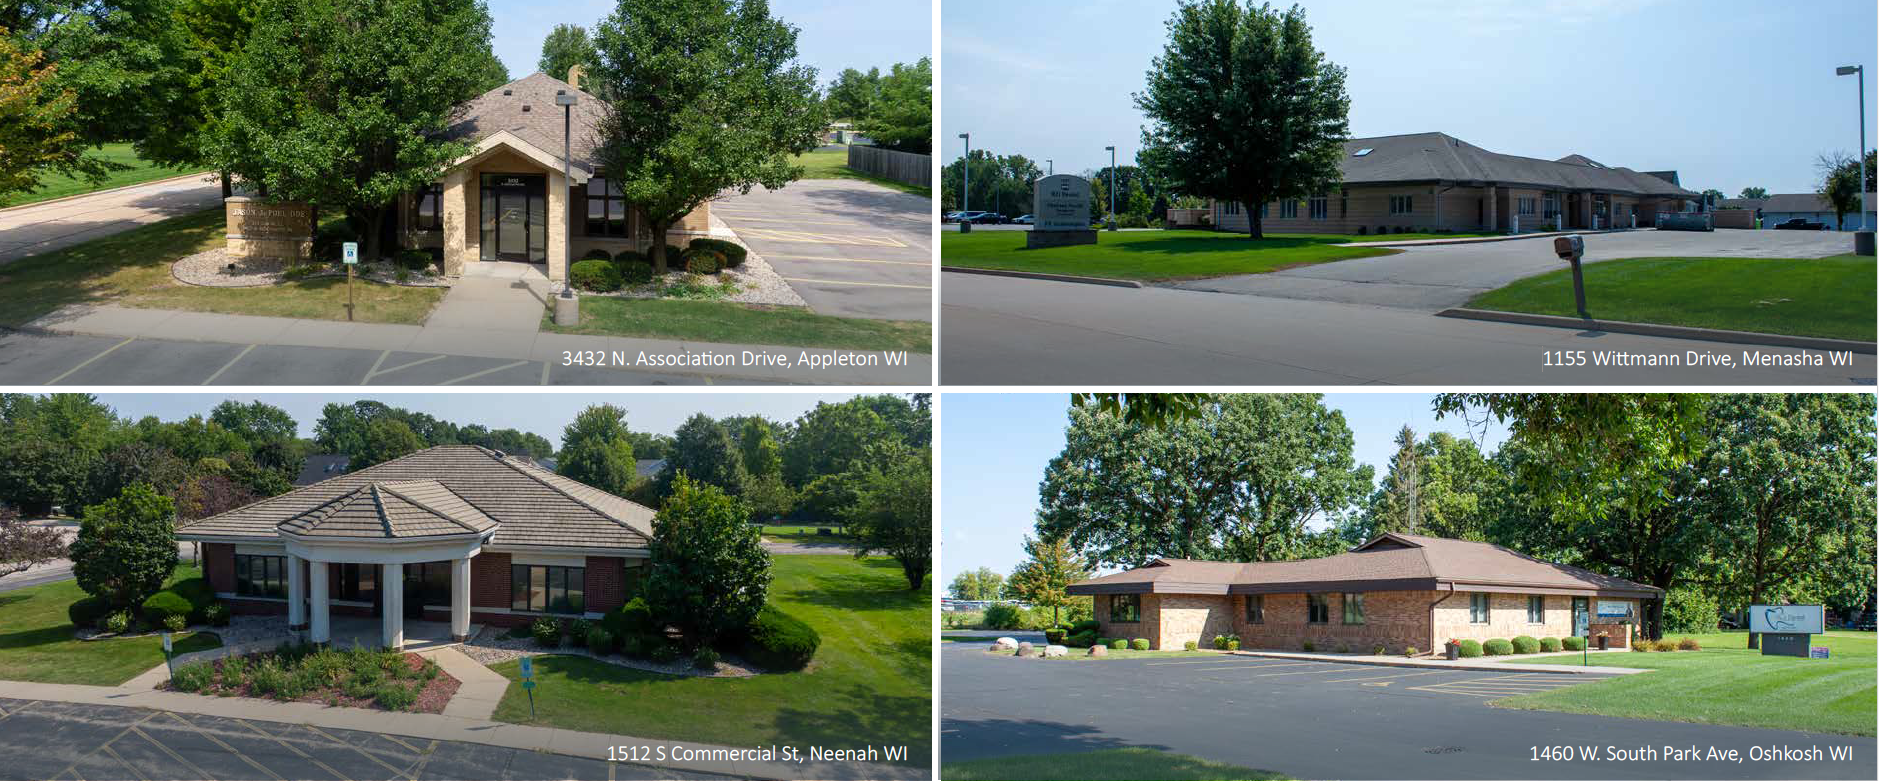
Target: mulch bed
{"points": [[430, 699]]}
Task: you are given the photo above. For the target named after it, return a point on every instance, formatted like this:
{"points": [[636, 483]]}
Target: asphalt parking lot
{"points": [[54, 740], [849, 248], [1323, 719]]}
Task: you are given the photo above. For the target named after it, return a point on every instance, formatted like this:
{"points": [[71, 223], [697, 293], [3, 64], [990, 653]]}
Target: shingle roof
{"points": [[526, 107], [1389, 562], [1426, 157], [450, 484]]}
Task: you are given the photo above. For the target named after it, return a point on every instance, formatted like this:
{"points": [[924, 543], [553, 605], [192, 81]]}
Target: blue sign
{"points": [[1817, 652], [528, 667], [351, 253], [528, 684]]}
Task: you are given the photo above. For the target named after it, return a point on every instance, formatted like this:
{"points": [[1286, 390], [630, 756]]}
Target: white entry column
{"points": [[460, 599], [296, 593], [322, 630], [392, 583]]}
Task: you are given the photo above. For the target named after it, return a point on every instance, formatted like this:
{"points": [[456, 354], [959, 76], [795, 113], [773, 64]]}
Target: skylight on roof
{"points": [[1362, 152]]}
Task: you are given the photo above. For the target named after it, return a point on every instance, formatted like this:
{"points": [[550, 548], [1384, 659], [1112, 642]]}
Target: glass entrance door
{"points": [[515, 217], [1581, 617]]}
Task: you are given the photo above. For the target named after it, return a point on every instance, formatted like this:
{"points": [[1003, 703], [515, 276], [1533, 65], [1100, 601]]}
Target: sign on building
{"points": [[1061, 210], [1614, 608], [1787, 619]]}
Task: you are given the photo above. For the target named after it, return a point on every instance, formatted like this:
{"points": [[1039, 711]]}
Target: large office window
{"points": [[427, 583], [356, 582], [1402, 204], [1230, 208], [606, 208], [1551, 207], [1524, 206], [542, 589], [1477, 608], [1353, 608], [1317, 609], [431, 208], [261, 576], [1288, 209], [1536, 609], [1320, 207], [1125, 608], [1255, 608]]}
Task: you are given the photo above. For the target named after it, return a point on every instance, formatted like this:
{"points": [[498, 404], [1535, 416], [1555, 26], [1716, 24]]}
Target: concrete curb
{"points": [[1484, 667], [993, 272], [1477, 239], [75, 196], [1670, 331]]}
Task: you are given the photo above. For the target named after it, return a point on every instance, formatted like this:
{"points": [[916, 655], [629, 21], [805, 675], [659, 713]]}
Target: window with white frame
{"points": [[1288, 209], [1524, 206], [1477, 608], [1320, 207], [1551, 205], [1536, 609], [1402, 204]]}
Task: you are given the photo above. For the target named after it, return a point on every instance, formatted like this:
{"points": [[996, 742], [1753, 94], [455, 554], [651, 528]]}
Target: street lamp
{"points": [[965, 185], [1050, 167], [566, 102], [1860, 70], [1112, 186]]}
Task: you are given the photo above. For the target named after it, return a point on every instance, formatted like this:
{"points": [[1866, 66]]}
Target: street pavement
{"points": [[38, 228], [61, 569], [1003, 330], [1330, 720], [849, 248]]}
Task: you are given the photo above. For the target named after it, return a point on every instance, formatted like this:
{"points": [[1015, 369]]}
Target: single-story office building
{"points": [[1423, 182], [1397, 591], [458, 533], [1776, 209]]}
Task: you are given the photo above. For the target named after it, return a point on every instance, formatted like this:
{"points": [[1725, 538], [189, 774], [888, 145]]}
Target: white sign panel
{"points": [[351, 252], [1614, 609], [1062, 203], [1787, 619]]}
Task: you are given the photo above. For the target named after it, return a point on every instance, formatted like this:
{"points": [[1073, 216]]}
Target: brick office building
{"points": [[1398, 591]]}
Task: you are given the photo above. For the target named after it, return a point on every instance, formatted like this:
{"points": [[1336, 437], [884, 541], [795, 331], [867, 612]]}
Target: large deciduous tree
{"points": [[852, 93], [565, 47], [23, 545], [901, 117], [385, 440], [36, 136], [705, 452], [706, 99], [1839, 184], [892, 512], [1242, 108], [595, 450], [979, 585], [126, 546], [709, 573], [1043, 578], [125, 61]]}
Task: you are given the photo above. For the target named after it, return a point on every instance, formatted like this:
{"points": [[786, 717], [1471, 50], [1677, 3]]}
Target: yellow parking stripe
{"points": [[926, 263], [88, 361], [1259, 666], [1193, 661], [73, 768], [199, 772], [290, 747], [135, 773], [862, 284], [356, 749]]}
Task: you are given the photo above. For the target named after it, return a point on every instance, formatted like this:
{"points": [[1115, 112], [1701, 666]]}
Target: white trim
{"points": [[375, 552], [513, 612], [233, 595]]}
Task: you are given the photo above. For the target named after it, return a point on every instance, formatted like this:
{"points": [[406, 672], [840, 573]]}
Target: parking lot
{"points": [[1310, 719], [849, 248]]}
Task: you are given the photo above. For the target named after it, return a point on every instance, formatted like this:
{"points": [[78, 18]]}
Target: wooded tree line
{"points": [[1722, 500], [893, 109], [1003, 184]]}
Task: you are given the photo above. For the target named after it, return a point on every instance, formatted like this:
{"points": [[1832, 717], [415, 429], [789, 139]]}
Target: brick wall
{"points": [[489, 580], [606, 581], [1393, 619], [1368, 207], [1507, 618], [218, 564], [1184, 617]]}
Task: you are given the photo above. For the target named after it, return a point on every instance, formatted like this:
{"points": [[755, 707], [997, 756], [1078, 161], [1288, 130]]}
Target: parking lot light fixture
{"points": [[965, 184], [1050, 167], [1112, 186], [1860, 71]]}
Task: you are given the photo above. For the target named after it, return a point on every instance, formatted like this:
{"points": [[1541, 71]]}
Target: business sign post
{"points": [[1787, 630]]}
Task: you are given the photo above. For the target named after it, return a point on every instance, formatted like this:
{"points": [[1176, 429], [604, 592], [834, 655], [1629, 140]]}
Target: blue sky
{"points": [[994, 448], [834, 35], [1730, 94], [543, 413]]}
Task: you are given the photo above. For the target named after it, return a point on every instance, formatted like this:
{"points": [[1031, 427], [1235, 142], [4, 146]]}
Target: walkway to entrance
{"points": [[496, 302]]}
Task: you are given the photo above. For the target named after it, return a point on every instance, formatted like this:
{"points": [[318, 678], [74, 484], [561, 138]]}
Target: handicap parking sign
{"points": [[351, 253], [528, 667]]}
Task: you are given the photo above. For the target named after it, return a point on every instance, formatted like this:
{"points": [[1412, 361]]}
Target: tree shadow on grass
{"points": [[41, 284], [969, 739], [865, 716], [36, 637]]}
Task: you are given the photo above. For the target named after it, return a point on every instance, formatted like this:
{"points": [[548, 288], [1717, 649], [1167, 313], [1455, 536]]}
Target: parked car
{"points": [[1800, 224], [980, 218], [1024, 219], [950, 217]]}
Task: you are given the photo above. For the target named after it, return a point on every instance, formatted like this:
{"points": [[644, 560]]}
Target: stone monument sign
{"points": [[1061, 209], [258, 230]]}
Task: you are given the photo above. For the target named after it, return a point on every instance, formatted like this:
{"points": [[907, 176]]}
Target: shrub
{"points": [[1191, 645], [713, 572], [175, 622], [547, 632], [116, 623], [599, 641], [1688, 644], [577, 631], [1309, 646], [1220, 642], [702, 261], [1662, 646], [88, 612], [1470, 649], [158, 608], [1086, 625], [1497, 647], [733, 253], [1233, 643], [666, 652], [1054, 636], [199, 593], [1119, 645], [1410, 652], [1379, 651], [126, 546], [635, 273], [193, 677], [1572, 643], [329, 237], [394, 696], [597, 254], [705, 658], [1549, 644], [412, 259], [1003, 616], [779, 641], [1139, 644], [302, 271], [235, 671], [1080, 639], [1689, 609], [268, 677], [1526, 645], [632, 618], [595, 275]]}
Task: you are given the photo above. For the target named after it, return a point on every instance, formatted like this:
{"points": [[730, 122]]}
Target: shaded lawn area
{"points": [[834, 165], [1826, 297], [1115, 764], [1726, 683], [804, 533], [734, 323], [868, 684], [133, 269], [1148, 255], [36, 642], [58, 186]]}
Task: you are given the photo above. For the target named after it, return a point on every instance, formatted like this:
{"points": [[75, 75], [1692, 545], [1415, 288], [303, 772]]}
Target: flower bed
{"points": [[358, 678]]}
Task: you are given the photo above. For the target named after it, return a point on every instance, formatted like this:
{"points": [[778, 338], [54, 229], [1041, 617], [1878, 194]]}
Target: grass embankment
{"points": [[140, 170], [868, 684], [133, 269], [1726, 683], [734, 323], [1825, 297], [833, 164], [1116, 764], [36, 641], [1148, 255]]}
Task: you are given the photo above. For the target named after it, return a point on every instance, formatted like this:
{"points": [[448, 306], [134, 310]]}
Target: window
{"points": [[431, 208], [1353, 608], [541, 589], [1523, 206], [356, 582], [1262, 211], [606, 208], [261, 576], [1343, 203], [1255, 608], [1402, 204], [1288, 209], [1477, 608], [1232, 208], [427, 583], [1552, 207], [1317, 609], [1536, 609], [1320, 208], [1361, 152], [1125, 608]]}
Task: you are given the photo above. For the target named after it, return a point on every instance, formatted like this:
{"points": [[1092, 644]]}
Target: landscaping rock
{"points": [[1055, 650], [1005, 644], [1024, 649], [1097, 650]]}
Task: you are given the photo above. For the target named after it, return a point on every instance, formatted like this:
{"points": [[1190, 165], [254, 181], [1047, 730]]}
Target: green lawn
{"points": [[36, 642], [1414, 236], [834, 165], [58, 186], [799, 533], [1148, 255], [1827, 297], [1116, 764], [723, 321], [1725, 683], [133, 269], [869, 682]]}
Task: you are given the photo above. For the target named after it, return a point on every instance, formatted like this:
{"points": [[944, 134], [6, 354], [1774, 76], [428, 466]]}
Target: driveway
{"points": [[42, 227], [1325, 720], [849, 248], [61, 569], [1438, 277]]}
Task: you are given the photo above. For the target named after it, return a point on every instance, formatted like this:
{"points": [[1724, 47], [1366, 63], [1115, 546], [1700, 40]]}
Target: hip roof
{"points": [[1440, 157]]}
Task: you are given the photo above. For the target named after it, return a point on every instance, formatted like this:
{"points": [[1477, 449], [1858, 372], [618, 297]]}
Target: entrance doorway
{"points": [[515, 217], [1581, 617]]}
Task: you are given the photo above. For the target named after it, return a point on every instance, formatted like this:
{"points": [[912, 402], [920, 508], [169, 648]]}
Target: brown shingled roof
{"points": [[1440, 157], [526, 107]]}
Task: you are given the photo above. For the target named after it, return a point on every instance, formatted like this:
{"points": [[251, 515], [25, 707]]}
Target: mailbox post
{"points": [[1571, 249]]}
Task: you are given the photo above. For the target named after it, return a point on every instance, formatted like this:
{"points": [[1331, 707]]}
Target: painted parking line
{"points": [[361, 752], [375, 372], [1255, 665], [792, 221], [290, 747], [872, 240], [1391, 677], [107, 744], [194, 770], [225, 746], [861, 284], [474, 375], [925, 263], [1193, 661], [88, 361], [231, 362]]}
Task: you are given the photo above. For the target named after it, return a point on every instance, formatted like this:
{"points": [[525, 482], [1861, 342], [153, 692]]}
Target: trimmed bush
{"points": [[199, 593], [666, 652], [1003, 616], [1119, 645], [779, 641], [599, 641], [1641, 646], [597, 254], [705, 659], [630, 620], [1233, 644], [547, 632], [1054, 636], [1470, 649], [1526, 645], [1220, 642], [116, 622], [1379, 651], [1080, 639], [635, 273], [595, 275], [1549, 644], [1572, 643], [702, 261], [88, 612], [158, 607], [1688, 644], [394, 696], [1497, 647], [413, 259], [1139, 644], [1086, 625], [1190, 645], [175, 622], [1410, 652], [577, 631], [733, 253], [1662, 646]]}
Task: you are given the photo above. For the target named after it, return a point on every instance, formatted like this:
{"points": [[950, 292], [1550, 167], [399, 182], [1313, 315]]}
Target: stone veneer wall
{"points": [[258, 230]]}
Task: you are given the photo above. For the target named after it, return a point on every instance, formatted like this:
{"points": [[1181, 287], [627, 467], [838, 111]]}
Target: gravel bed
{"points": [[490, 647], [209, 268]]}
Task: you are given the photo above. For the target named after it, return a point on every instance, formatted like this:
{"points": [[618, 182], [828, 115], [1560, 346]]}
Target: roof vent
{"points": [[525, 108], [1362, 152], [508, 92]]}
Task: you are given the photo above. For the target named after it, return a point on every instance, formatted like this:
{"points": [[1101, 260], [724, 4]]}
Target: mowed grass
{"points": [[1116, 764], [1414, 236], [734, 323], [799, 533], [833, 164], [1826, 297], [140, 170], [1148, 255], [36, 642], [869, 683], [133, 269], [1726, 683]]}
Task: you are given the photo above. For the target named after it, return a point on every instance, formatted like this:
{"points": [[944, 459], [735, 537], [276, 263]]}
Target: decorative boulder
{"points": [[1055, 650], [1024, 649], [1097, 650], [1005, 644]]}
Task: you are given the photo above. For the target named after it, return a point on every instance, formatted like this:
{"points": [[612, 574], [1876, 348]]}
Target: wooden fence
{"points": [[902, 167]]}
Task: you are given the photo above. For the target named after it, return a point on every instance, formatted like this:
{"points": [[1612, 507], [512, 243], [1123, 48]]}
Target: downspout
{"points": [[1438, 206], [1432, 606]]}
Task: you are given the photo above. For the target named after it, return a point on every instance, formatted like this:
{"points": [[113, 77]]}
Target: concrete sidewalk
{"points": [[1474, 665]]}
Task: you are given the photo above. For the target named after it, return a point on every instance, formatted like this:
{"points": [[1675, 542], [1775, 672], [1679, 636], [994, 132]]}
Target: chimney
{"points": [[575, 72]]}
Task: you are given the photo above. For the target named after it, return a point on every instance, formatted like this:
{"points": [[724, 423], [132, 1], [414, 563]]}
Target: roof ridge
{"points": [[298, 489], [577, 500], [379, 503], [425, 507]]}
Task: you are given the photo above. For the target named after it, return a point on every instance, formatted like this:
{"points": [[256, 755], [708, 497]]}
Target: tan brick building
{"points": [[1397, 591], [1426, 182]]}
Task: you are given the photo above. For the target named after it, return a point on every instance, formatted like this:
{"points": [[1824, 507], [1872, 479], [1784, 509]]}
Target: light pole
{"points": [[566, 102], [965, 185], [1860, 70], [1050, 167], [1112, 186]]}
